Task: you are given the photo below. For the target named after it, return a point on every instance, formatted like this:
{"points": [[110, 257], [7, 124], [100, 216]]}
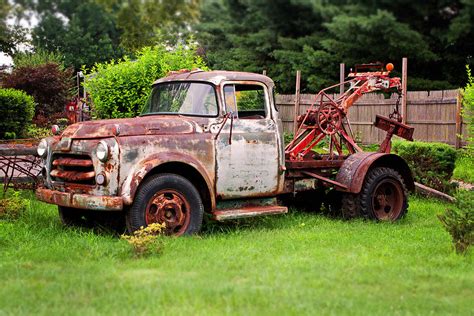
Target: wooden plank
{"points": [[404, 90], [297, 101]]}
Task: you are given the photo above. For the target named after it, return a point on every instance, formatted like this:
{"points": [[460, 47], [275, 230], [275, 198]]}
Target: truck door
{"points": [[247, 150]]}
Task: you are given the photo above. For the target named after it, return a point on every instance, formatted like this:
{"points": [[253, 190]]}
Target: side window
{"points": [[246, 101]]}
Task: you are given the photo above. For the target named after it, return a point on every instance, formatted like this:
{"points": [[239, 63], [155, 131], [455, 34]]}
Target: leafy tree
{"points": [[84, 33], [10, 36], [315, 36], [147, 22]]}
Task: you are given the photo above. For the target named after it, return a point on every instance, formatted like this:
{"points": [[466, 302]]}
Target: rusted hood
{"points": [[146, 125]]}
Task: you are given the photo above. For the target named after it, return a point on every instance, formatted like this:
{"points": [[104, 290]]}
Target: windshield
{"points": [[191, 98]]}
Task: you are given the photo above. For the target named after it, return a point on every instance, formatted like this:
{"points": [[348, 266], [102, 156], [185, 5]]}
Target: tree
{"points": [[10, 36], [84, 33], [315, 36]]}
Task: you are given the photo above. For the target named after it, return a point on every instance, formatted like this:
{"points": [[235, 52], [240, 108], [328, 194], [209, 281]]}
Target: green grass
{"points": [[293, 264], [464, 169]]}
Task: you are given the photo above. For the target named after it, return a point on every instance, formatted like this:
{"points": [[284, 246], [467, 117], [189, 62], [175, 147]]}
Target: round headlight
{"points": [[42, 148], [102, 151]]}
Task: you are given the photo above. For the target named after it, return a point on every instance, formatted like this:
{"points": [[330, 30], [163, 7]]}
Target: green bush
{"points": [[120, 89], [12, 207], [49, 84], [432, 164], [16, 112], [459, 221], [468, 112]]}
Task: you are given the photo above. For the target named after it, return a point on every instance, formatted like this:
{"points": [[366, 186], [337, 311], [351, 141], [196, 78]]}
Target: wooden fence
{"points": [[435, 115]]}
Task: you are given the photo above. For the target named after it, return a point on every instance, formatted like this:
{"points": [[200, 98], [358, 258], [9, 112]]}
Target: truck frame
{"points": [[212, 142]]}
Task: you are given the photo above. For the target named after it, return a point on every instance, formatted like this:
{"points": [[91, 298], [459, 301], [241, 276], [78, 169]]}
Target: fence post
{"points": [[297, 102], [341, 77], [404, 90], [459, 120]]}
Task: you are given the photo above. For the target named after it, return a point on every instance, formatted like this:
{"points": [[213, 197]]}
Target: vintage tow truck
{"points": [[212, 142]]}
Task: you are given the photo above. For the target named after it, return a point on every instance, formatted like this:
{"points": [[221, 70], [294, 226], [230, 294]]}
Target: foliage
{"points": [[50, 86], [121, 88], [468, 111], [33, 131], [432, 164], [90, 34], [464, 169], [145, 240], [459, 221], [37, 58], [13, 206], [147, 22], [10, 35], [16, 111], [315, 36]]}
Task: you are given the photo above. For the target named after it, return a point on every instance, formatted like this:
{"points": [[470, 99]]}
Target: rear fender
{"points": [[354, 170]]}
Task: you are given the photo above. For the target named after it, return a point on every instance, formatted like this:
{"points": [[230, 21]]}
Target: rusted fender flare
{"points": [[354, 170], [140, 171]]}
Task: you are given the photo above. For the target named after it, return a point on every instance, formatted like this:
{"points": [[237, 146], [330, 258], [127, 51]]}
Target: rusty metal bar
{"points": [[324, 179]]}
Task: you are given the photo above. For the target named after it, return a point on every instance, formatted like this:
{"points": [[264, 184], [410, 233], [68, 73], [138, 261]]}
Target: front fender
{"points": [[354, 170], [144, 167]]}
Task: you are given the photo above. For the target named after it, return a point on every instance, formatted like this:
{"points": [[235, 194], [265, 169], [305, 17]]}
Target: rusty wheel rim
{"points": [[329, 118], [171, 208], [387, 201]]}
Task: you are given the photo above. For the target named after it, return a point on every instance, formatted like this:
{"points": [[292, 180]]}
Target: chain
{"points": [[395, 115]]}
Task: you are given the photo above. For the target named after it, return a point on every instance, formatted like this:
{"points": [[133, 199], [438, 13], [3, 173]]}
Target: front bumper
{"points": [[82, 201]]}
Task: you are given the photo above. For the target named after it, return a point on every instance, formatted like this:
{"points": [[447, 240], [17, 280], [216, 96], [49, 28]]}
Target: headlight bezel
{"points": [[102, 151], [42, 148]]}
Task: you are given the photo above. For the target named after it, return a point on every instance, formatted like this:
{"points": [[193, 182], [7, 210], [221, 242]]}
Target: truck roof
{"points": [[215, 77]]}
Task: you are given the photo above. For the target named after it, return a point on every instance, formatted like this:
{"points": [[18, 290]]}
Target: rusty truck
{"points": [[212, 142]]}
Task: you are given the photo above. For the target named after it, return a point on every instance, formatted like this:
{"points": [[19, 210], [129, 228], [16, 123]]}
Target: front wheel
{"points": [[170, 199], [383, 196]]}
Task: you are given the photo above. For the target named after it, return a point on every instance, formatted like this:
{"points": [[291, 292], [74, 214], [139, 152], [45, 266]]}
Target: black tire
{"points": [[350, 206], [74, 217], [167, 198], [384, 195]]}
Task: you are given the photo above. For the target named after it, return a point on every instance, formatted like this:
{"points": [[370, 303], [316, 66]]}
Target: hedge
{"points": [[121, 89], [16, 110], [432, 164]]}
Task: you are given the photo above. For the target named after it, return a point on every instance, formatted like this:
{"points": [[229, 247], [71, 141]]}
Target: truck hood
{"points": [[146, 125]]}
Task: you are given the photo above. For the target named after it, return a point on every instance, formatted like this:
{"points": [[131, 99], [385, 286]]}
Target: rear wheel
{"points": [[383, 196], [170, 199]]}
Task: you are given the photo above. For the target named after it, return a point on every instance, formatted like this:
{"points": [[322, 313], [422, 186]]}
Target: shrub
{"points": [[459, 221], [37, 58], [120, 89], [32, 131], [16, 111], [143, 240], [12, 207], [49, 84], [432, 164], [468, 112]]}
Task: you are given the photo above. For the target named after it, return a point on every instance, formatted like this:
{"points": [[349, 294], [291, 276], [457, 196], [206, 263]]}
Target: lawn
{"points": [[294, 264]]}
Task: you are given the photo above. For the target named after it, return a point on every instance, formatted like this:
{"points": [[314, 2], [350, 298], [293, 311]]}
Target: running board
{"points": [[249, 211]]}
